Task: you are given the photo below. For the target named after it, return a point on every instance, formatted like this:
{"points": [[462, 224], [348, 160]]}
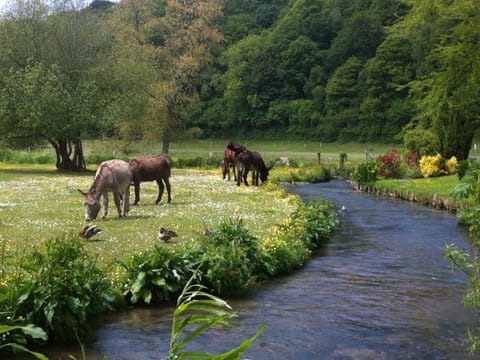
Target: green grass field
{"points": [[442, 185], [37, 203], [297, 150]]}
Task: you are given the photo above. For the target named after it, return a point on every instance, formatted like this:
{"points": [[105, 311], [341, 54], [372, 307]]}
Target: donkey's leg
{"points": [[126, 201], [105, 205], [160, 190], [116, 198], [234, 171]]}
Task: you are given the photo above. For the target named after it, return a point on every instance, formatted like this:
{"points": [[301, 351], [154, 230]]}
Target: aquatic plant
{"points": [[15, 337], [198, 311]]}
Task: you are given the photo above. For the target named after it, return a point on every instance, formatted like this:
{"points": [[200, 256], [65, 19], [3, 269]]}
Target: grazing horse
{"points": [[151, 168], [112, 176], [251, 160], [229, 154]]}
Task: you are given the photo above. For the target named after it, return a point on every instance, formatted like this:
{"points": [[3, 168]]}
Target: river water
{"points": [[382, 289]]}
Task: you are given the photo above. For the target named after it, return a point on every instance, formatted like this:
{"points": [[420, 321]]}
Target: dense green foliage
{"points": [[60, 288], [230, 259], [362, 70], [468, 261]]}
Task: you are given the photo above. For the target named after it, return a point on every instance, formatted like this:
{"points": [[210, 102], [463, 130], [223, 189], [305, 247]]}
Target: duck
{"points": [[90, 230], [165, 234]]}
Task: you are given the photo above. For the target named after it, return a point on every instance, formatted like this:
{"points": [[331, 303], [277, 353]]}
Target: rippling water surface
{"points": [[382, 289]]}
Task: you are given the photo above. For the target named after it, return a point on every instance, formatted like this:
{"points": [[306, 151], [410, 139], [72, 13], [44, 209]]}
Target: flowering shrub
{"points": [[366, 172], [411, 159], [451, 165], [390, 164], [291, 241], [431, 165]]}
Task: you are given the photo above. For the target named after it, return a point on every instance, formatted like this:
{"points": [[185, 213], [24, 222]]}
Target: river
{"points": [[381, 289]]}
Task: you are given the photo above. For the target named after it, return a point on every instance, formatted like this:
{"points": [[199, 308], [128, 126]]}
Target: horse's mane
{"points": [[98, 177]]}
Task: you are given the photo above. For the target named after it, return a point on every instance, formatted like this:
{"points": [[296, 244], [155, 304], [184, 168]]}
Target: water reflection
{"points": [[382, 289]]}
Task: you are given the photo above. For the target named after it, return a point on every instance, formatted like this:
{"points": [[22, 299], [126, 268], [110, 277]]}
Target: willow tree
{"points": [[52, 58], [447, 88]]}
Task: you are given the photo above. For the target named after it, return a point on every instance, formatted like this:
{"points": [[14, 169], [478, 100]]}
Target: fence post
{"points": [[319, 157]]}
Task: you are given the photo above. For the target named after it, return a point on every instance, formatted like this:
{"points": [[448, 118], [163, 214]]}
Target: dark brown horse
{"points": [[151, 168], [251, 160], [229, 154]]}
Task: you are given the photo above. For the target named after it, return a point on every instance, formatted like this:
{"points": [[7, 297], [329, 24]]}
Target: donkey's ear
{"points": [[81, 192]]}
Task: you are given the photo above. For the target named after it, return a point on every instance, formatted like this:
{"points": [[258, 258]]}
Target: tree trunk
{"points": [[165, 142], [63, 150]]}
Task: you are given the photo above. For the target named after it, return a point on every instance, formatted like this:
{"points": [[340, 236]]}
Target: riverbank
{"points": [[432, 192], [232, 235]]}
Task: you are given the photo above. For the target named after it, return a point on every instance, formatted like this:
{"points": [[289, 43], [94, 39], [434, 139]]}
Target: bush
{"points": [[451, 165], [26, 157], [292, 240], [197, 162], [159, 275], [462, 167], [366, 172], [230, 262], [282, 252], [61, 288], [431, 165], [424, 141], [317, 221], [390, 165], [318, 175]]}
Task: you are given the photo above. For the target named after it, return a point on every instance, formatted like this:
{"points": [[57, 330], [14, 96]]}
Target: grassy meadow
{"points": [[38, 203], [299, 151]]}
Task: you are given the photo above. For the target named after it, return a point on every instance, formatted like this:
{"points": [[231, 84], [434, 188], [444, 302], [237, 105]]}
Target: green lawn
{"points": [[298, 150], [37, 203], [442, 185]]}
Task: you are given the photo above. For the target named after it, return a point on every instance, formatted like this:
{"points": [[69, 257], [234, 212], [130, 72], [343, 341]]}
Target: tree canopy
{"points": [[360, 70]]}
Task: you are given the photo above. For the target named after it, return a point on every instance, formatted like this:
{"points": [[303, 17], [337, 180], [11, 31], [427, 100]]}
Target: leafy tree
{"points": [[386, 106], [50, 89], [191, 40], [343, 97], [137, 31], [447, 89]]}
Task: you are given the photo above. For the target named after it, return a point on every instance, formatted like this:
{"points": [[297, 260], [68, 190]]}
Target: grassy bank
{"points": [[441, 186], [229, 236]]}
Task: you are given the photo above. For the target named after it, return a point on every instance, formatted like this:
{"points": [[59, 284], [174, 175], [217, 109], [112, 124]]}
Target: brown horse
{"points": [[229, 154], [251, 160], [151, 168], [112, 176]]}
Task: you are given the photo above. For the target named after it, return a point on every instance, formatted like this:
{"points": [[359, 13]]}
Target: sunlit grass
{"points": [[300, 151], [37, 203], [441, 185]]}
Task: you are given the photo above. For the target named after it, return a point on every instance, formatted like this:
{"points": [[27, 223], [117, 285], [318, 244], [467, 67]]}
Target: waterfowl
{"points": [[165, 235], [90, 230]]}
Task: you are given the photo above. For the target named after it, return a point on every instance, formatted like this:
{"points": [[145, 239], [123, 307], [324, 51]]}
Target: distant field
{"points": [[297, 150]]}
